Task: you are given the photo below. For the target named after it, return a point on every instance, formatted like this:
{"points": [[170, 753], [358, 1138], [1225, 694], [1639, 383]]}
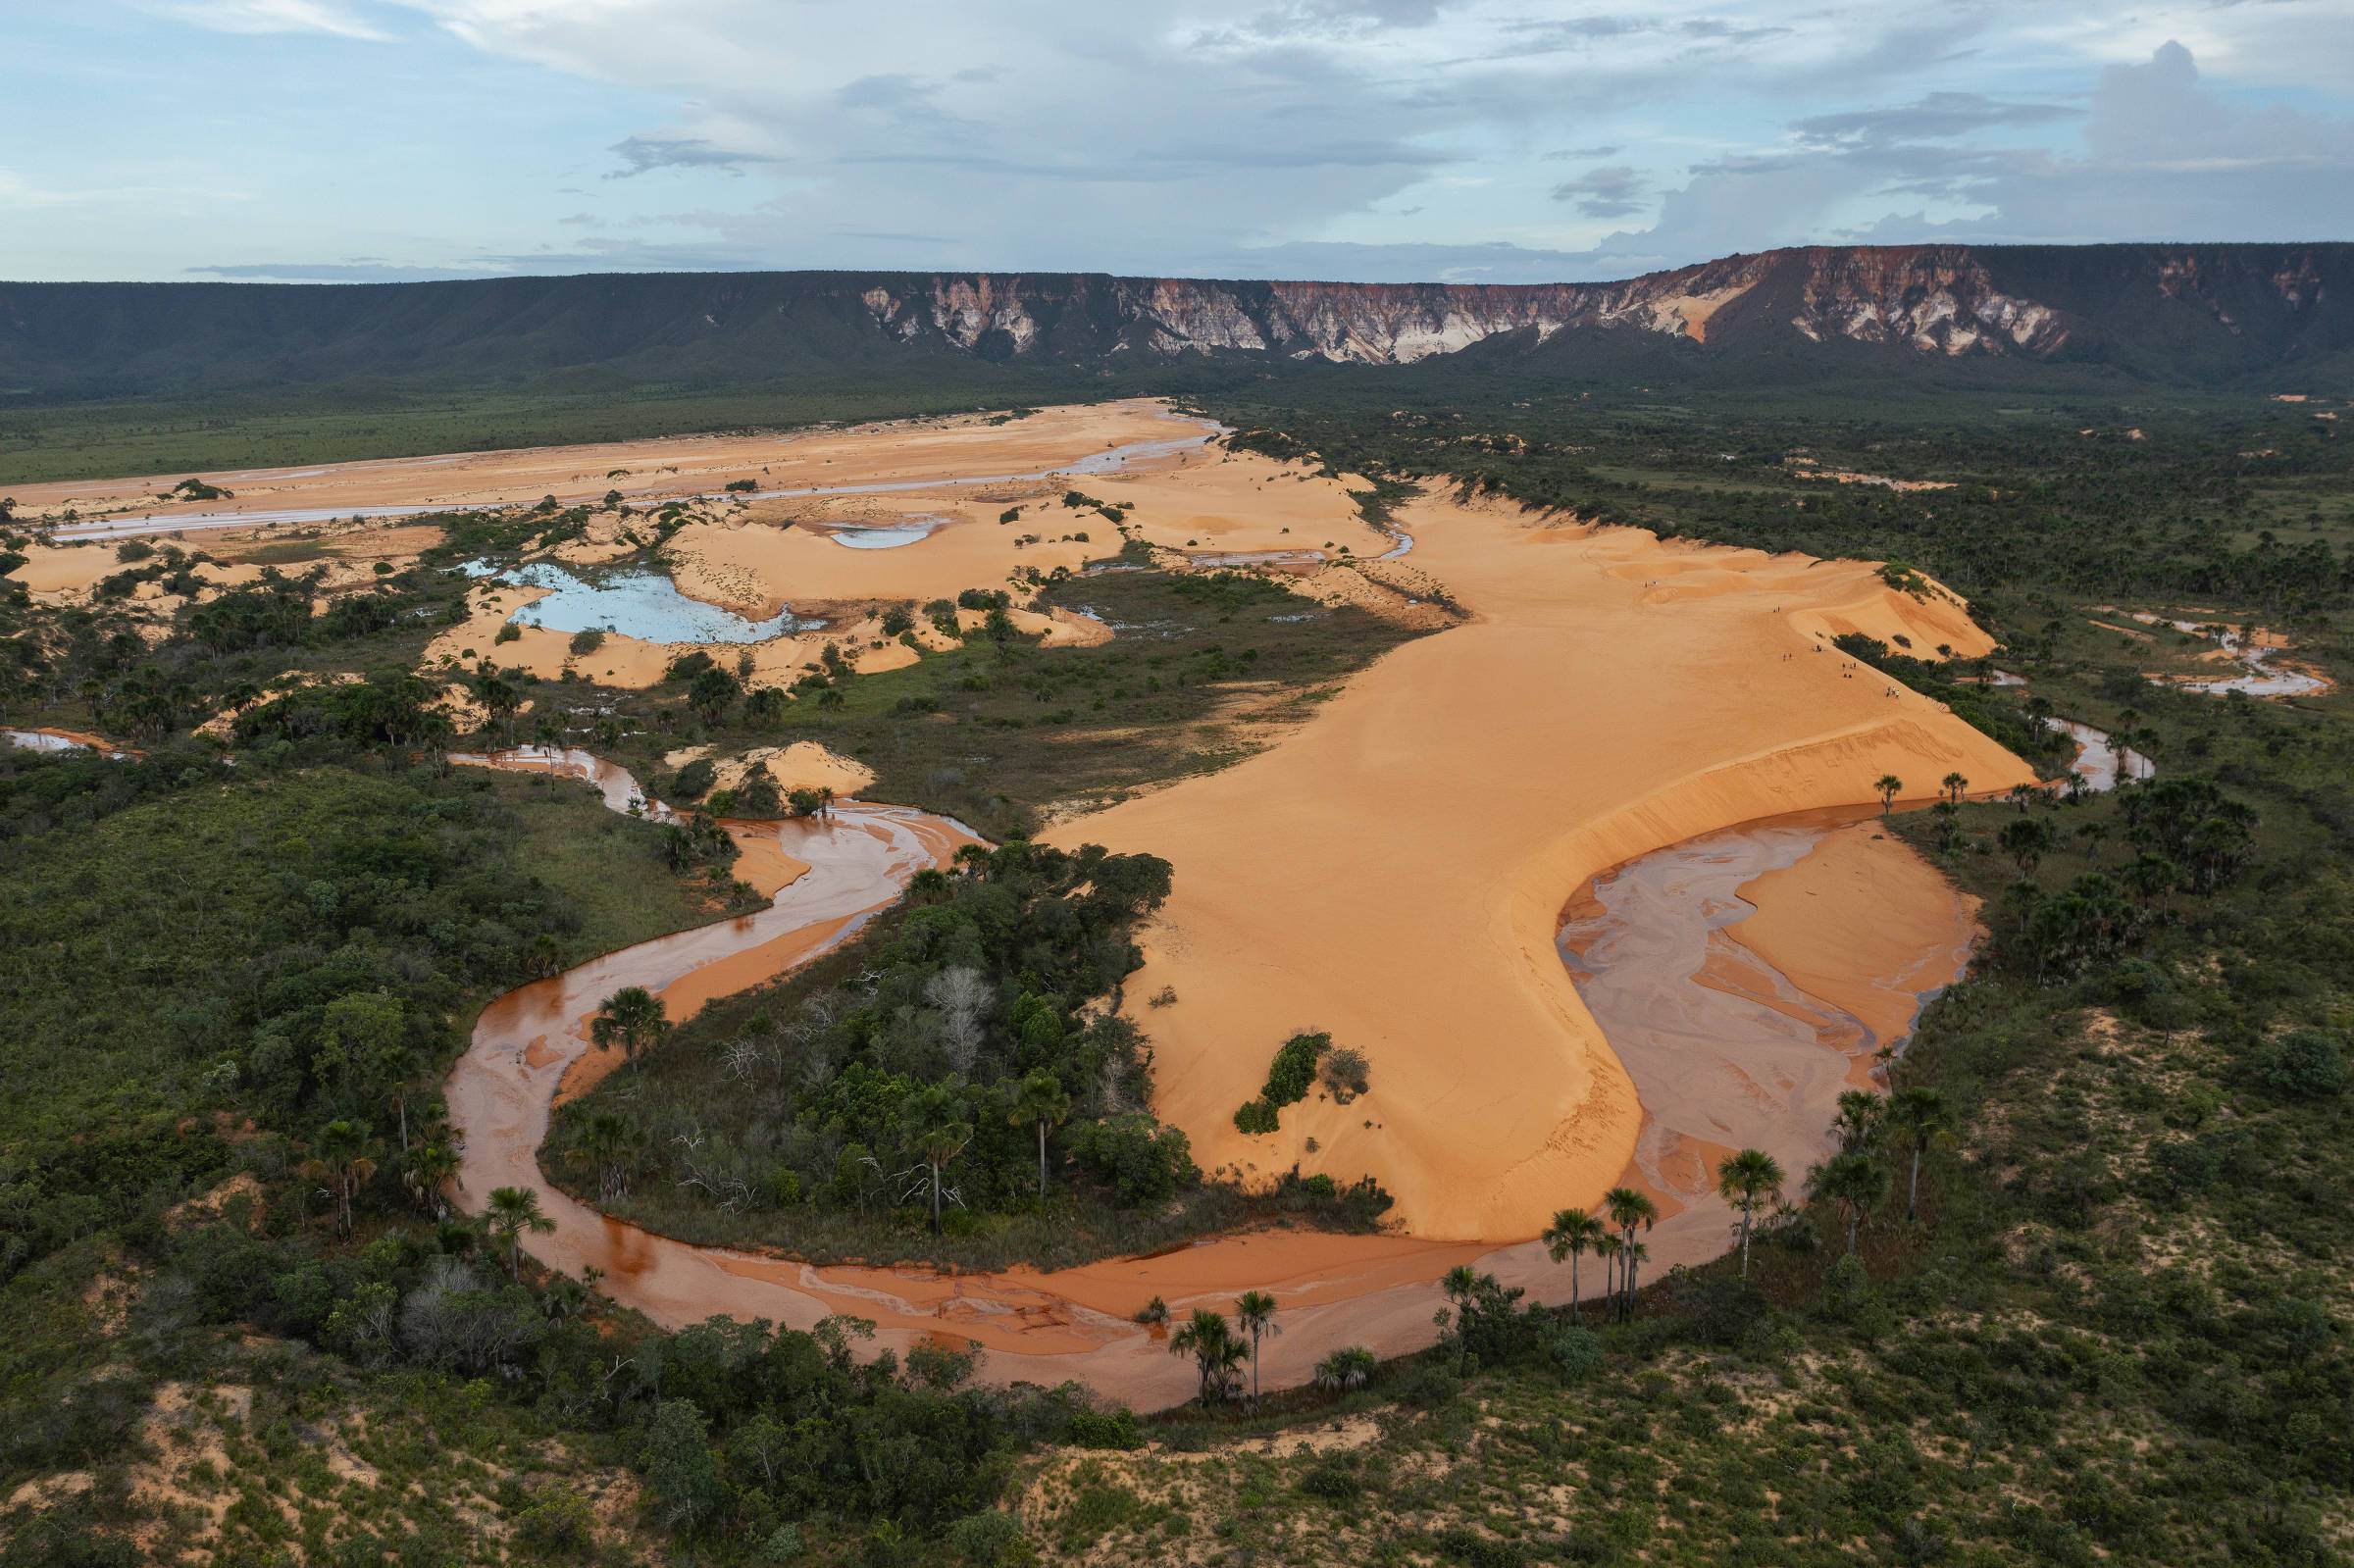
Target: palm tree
{"points": [[1346, 1368], [431, 1170], [1628, 1208], [1254, 1311], [1571, 1232], [1919, 1116], [937, 1131], [1606, 1246], [1460, 1285], [633, 1018], [1635, 1255], [1212, 1345], [513, 1210], [1890, 787], [341, 1159], [1858, 1120], [1854, 1182], [1042, 1100], [2025, 841], [1750, 1179], [608, 1141], [1954, 785]]}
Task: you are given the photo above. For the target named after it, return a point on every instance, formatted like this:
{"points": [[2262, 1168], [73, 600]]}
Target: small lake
{"points": [[635, 602]]}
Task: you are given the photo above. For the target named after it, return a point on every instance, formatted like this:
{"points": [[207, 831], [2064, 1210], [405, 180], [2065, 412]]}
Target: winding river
{"points": [[1724, 1050]]}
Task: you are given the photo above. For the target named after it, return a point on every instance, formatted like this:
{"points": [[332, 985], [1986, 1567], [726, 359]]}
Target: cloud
{"points": [[1612, 191], [271, 15], [1940, 115], [644, 153]]}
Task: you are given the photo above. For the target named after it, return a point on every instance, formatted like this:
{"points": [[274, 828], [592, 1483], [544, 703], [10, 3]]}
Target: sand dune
{"points": [[1393, 873]]}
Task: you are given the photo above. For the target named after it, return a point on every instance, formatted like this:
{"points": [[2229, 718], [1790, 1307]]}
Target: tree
{"points": [[1853, 1182], [1633, 1257], [936, 1132], [1628, 1208], [364, 1042], [429, 1169], [1461, 1286], [633, 1018], [680, 1471], [1571, 1232], [1042, 1101], [513, 1210], [1954, 786], [1606, 1247], [1918, 1117], [1254, 1311], [499, 698], [711, 694], [1345, 1369], [1214, 1348], [2026, 840], [1890, 787], [341, 1159], [1750, 1179], [1857, 1120]]}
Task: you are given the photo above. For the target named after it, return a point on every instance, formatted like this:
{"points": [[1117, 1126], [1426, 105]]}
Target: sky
{"points": [[1385, 141]]}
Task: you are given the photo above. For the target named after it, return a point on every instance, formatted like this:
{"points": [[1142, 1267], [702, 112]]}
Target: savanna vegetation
{"points": [[2075, 1291]]}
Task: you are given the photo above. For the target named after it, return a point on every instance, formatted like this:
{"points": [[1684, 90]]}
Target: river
{"points": [[1723, 1049]]}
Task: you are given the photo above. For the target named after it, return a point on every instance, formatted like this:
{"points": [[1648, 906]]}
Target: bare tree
{"points": [[962, 997]]}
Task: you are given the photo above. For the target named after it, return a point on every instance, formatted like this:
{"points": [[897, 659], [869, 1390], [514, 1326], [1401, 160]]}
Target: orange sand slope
{"points": [[1393, 873]]}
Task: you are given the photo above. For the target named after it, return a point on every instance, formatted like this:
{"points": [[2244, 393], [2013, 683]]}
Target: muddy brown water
{"points": [[1723, 1050]]}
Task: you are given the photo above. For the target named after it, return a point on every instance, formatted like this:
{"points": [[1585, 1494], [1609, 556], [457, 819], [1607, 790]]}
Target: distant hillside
{"points": [[2179, 315]]}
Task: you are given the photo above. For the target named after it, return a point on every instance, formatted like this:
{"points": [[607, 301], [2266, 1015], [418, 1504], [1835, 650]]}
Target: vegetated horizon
{"points": [[2110, 1319]]}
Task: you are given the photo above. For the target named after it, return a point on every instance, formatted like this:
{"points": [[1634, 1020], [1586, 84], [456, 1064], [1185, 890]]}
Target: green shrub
{"points": [[784, 1544], [560, 1521], [2304, 1065], [1576, 1353], [510, 633], [1142, 1161], [742, 486], [1331, 1480], [1096, 1429], [983, 1539], [1294, 1070], [691, 781], [1256, 1116], [586, 642]]}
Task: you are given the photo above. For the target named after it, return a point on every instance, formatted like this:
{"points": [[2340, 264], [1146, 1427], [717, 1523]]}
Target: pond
{"points": [[634, 601]]}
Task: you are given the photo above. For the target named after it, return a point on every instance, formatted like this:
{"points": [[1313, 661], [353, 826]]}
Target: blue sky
{"points": [[1491, 140]]}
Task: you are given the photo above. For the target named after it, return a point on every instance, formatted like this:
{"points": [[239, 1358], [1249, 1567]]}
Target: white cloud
{"points": [[270, 16]]}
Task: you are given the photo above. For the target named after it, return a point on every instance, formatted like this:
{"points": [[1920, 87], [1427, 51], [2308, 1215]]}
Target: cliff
{"points": [[2186, 313]]}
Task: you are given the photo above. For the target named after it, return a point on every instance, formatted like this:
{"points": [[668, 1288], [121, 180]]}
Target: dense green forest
{"points": [[2113, 1325]]}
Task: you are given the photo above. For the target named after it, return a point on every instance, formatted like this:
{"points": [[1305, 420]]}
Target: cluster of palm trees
{"points": [[343, 1160], [1611, 1236], [1907, 1125], [1218, 1348]]}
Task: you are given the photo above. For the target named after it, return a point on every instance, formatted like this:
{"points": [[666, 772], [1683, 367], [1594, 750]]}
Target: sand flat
{"points": [[1864, 922]]}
